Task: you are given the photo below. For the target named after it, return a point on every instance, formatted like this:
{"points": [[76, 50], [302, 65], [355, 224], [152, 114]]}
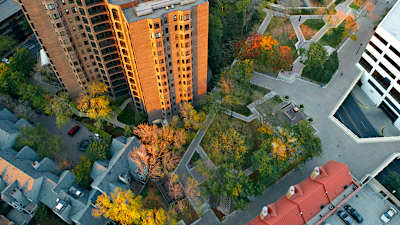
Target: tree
{"points": [[59, 106], [6, 44], [39, 139], [191, 118], [22, 61], [98, 150], [82, 172], [10, 82], [126, 208], [230, 183], [316, 55], [159, 152], [95, 103], [34, 95]]}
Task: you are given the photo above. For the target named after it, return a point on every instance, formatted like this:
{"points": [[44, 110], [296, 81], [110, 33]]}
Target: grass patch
{"points": [[130, 116], [334, 36], [310, 27]]}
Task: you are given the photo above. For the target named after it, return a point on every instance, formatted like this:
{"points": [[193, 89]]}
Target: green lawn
{"points": [[334, 36], [256, 93], [130, 116], [315, 24]]}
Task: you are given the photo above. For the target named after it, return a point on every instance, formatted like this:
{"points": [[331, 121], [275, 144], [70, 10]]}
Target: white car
{"points": [[388, 215]]}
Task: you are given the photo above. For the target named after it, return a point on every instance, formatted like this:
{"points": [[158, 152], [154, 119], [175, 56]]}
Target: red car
{"points": [[74, 130]]}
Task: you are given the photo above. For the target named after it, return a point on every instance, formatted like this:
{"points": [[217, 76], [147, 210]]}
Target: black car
{"points": [[345, 217], [350, 210]]}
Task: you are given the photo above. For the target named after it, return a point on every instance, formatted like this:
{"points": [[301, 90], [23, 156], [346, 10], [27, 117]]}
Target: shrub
{"points": [[98, 150], [130, 117], [82, 172], [322, 74]]}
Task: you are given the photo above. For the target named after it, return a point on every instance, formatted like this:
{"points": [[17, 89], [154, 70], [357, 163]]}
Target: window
{"points": [[365, 64], [55, 16], [395, 94], [383, 81], [380, 38], [50, 6], [73, 9], [375, 87], [67, 11], [174, 17], [395, 51], [392, 62], [82, 11], [370, 55], [387, 71], [391, 104], [376, 47], [156, 25]]}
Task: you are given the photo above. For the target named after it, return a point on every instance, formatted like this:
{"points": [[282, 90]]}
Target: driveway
{"points": [[70, 147], [353, 118]]}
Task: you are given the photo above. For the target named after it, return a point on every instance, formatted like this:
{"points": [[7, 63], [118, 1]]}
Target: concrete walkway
{"points": [[319, 103]]}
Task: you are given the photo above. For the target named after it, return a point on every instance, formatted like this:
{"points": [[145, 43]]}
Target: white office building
{"points": [[380, 64]]}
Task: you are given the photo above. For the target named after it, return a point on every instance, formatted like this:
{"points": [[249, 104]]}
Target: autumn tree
{"points": [[351, 23], [160, 149], [95, 104], [126, 208], [59, 106], [191, 118]]}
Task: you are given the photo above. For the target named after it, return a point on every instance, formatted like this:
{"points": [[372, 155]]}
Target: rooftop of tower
{"points": [[390, 22], [154, 8]]}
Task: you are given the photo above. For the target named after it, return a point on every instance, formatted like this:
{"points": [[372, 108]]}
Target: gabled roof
{"points": [[306, 199], [5, 114], [311, 200], [338, 177]]}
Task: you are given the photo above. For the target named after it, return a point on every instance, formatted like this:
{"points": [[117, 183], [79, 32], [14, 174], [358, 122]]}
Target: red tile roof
{"points": [[315, 191]]}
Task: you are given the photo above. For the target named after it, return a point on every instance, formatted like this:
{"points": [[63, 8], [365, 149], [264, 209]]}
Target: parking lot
{"points": [[370, 204]]}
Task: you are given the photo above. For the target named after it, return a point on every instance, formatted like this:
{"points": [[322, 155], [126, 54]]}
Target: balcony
{"points": [[96, 10], [92, 2], [108, 50], [106, 43], [102, 27], [113, 63], [104, 35], [99, 19], [110, 57]]}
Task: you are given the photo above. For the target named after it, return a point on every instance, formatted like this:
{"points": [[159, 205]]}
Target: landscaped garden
{"points": [[357, 4], [320, 66], [310, 27], [334, 36], [282, 30]]}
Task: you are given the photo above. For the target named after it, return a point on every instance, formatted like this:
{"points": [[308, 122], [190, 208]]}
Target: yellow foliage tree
{"points": [[126, 209], [95, 103]]}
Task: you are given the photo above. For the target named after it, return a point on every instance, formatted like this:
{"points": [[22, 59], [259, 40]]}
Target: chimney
{"points": [[290, 192], [264, 212], [315, 173]]}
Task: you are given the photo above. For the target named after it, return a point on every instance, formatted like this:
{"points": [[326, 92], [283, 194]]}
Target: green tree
{"points": [[59, 106], [10, 82], [230, 183], [82, 172], [39, 139], [98, 150], [34, 95], [22, 61], [6, 44], [316, 55], [191, 118]]}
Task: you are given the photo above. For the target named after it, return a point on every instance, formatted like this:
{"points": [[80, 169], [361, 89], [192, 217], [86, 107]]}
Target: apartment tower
{"points": [[380, 65], [163, 46], [155, 50]]}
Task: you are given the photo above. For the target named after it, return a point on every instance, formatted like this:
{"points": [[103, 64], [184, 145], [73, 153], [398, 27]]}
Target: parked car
{"points": [[388, 215], [352, 212], [73, 130], [345, 217]]}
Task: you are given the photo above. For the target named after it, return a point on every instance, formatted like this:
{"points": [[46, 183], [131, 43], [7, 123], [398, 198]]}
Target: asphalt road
{"points": [[353, 118]]}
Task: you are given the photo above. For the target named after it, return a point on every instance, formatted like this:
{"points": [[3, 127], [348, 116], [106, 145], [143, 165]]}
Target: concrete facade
{"points": [[381, 67]]}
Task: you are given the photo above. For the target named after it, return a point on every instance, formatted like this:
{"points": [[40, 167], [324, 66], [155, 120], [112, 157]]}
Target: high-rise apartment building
{"points": [[380, 64], [79, 41], [154, 50]]}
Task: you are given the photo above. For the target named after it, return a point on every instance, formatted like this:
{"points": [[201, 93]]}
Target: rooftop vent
{"points": [[290, 192], [315, 173], [264, 212], [35, 164]]}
